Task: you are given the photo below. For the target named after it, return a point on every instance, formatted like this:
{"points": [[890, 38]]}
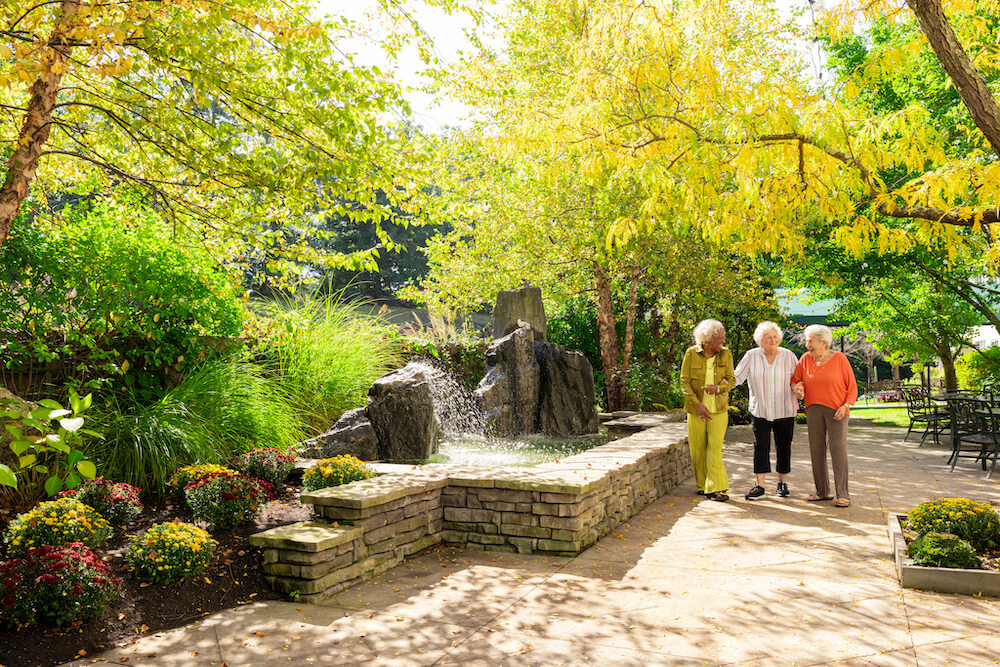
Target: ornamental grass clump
{"points": [[55, 584], [192, 473], [117, 502], [943, 550], [266, 463], [226, 499], [169, 552], [56, 522], [336, 471], [977, 523]]}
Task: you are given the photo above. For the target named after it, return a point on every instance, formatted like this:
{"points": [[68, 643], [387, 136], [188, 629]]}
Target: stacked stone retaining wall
{"points": [[561, 508]]}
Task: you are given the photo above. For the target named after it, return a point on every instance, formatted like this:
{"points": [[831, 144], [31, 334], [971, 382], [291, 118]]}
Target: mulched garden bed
{"points": [[235, 577]]}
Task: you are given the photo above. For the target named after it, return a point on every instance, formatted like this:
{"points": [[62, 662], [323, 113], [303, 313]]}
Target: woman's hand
{"points": [[703, 412], [799, 390], [710, 389], [841, 412]]}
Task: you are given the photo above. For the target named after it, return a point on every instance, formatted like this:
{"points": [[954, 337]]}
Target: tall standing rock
{"points": [[508, 393], [514, 307], [401, 411], [566, 391]]}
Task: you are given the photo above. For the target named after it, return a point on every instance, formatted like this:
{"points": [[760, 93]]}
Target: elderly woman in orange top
{"points": [[826, 380]]}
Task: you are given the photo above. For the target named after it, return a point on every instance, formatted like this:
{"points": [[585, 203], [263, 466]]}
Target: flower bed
{"points": [[938, 579]]}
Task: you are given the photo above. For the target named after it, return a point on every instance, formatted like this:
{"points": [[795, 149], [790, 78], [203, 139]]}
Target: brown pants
{"points": [[822, 427]]}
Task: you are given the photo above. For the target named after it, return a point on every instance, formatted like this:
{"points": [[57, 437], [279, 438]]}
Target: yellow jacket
{"points": [[693, 378]]}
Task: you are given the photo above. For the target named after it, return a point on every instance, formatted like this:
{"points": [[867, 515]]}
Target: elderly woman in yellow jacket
{"points": [[706, 377]]}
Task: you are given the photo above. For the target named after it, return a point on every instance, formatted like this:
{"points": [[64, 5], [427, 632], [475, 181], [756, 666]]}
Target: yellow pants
{"points": [[705, 439]]}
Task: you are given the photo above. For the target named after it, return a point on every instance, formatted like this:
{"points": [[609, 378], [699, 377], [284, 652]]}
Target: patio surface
{"points": [[685, 582]]}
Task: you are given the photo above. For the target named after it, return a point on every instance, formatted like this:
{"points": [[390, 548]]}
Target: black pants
{"points": [[782, 429]]}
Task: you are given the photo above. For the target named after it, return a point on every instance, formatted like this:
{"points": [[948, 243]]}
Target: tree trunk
{"points": [[614, 378], [630, 313], [948, 365], [673, 330], [23, 163], [968, 81], [655, 325]]}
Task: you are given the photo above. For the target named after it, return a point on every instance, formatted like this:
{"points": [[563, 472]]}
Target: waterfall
{"points": [[454, 404]]}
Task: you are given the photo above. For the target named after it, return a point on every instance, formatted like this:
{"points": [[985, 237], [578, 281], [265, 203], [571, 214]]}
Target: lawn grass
{"points": [[882, 415]]}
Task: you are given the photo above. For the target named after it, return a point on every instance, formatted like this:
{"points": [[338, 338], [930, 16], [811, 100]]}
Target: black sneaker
{"points": [[755, 493], [783, 489]]}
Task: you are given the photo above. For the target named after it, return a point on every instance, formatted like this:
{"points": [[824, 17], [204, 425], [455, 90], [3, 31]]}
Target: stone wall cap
{"points": [[306, 536], [371, 492]]}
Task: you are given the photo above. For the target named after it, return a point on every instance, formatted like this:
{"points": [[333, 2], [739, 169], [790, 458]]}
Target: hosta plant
{"points": [[943, 550]]}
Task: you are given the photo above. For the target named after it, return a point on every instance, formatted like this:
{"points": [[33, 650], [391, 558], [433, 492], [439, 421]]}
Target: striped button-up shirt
{"points": [[771, 394]]}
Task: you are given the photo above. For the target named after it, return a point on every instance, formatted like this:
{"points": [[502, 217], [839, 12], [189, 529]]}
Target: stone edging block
{"points": [[306, 536]]}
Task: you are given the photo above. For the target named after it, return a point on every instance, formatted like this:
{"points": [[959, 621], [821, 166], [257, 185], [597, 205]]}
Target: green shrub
{"points": [[266, 463], [56, 522], [977, 523], [976, 369], [188, 474], [46, 442], [216, 413], [328, 354], [943, 550], [55, 584], [226, 500], [117, 502], [651, 387], [336, 471], [169, 552], [112, 289]]}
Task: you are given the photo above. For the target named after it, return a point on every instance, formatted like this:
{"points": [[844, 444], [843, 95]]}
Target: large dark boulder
{"points": [[401, 410], [508, 393], [566, 391], [516, 307], [352, 434]]}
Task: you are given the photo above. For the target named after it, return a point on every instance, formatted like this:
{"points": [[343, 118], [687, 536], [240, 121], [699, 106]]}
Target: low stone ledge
{"points": [[557, 508], [938, 579]]}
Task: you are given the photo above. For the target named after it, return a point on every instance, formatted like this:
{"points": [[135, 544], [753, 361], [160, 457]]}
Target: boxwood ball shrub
{"points": [[335, 471], [171, 551], [117, 502], [56, 522], [184, 476], [226, 499], [943, 550], [977, 523], [266, 463], [55, 584]]}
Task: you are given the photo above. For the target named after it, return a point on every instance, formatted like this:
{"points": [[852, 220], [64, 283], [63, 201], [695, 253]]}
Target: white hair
{"points": [[819, 332], [707, 330], [763, 328]]}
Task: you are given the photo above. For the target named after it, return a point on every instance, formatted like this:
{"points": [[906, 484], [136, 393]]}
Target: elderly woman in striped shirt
{"points": [[768, 370]]}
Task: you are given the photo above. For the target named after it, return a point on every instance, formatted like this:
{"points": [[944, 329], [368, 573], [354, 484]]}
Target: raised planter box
{"points": [[938, 579]]}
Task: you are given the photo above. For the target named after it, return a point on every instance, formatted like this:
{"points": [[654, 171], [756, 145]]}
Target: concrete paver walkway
{"points": [[685, 582]]}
